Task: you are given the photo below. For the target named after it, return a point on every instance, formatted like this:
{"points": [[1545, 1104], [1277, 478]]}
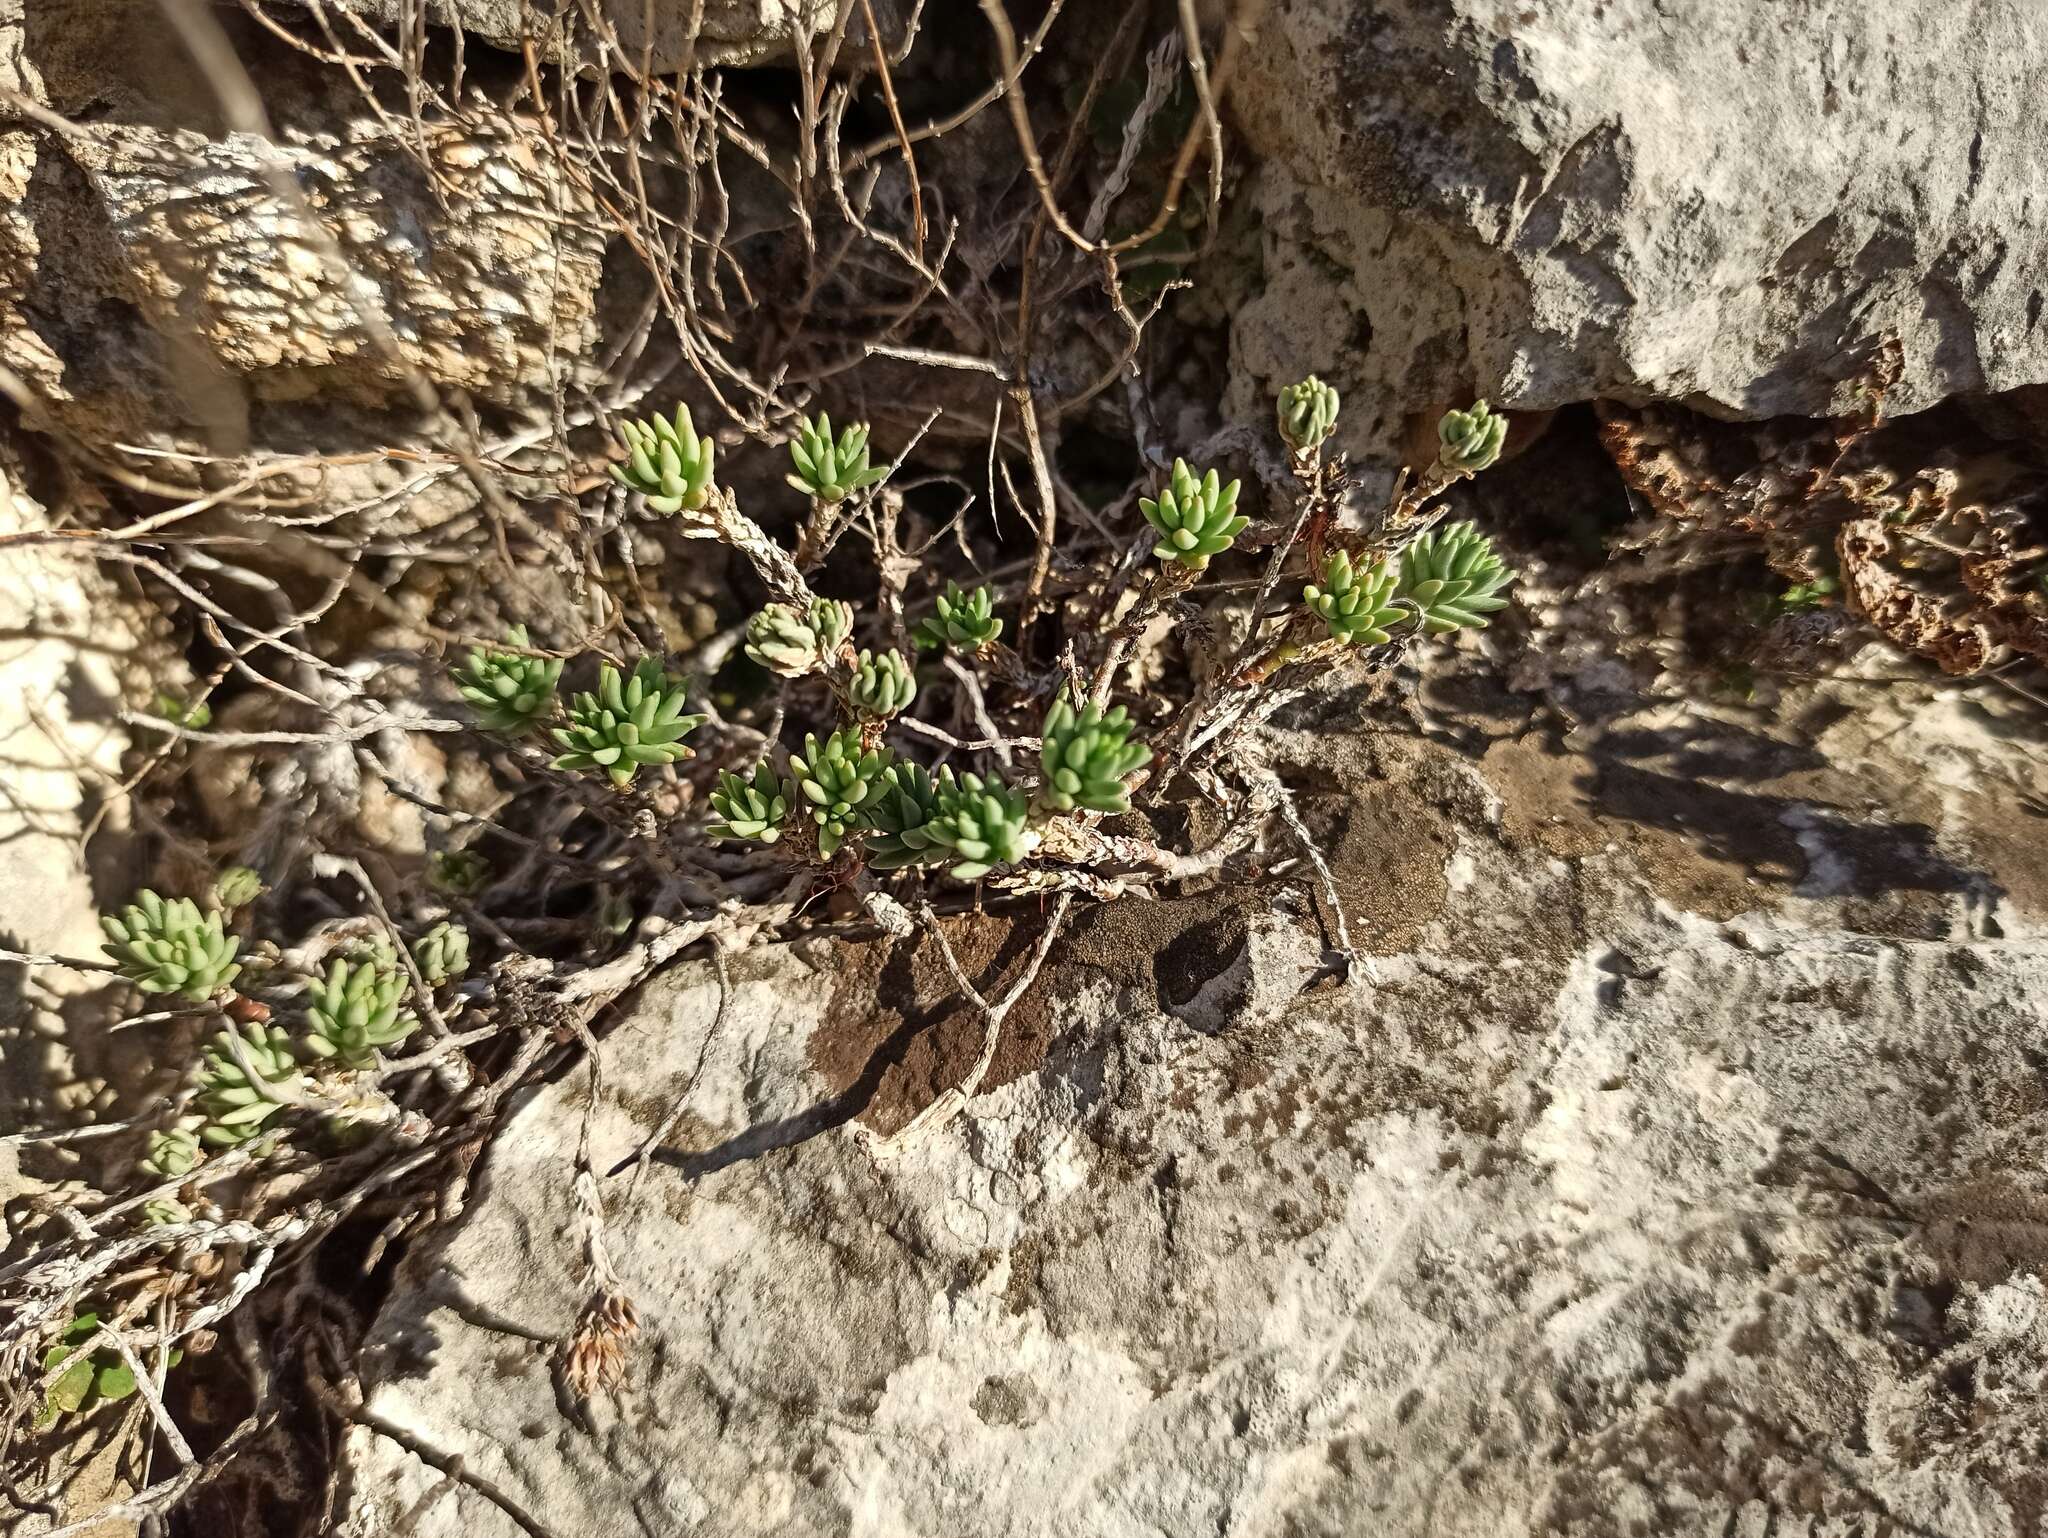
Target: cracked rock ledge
{"points": [[1677, 1169]]}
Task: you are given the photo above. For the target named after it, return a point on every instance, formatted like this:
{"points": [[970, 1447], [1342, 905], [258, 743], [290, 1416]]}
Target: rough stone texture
{"points": [[1677, 1172], [132, 245], [68, 644], [730, 31], [1716, 203], [159, 278]]}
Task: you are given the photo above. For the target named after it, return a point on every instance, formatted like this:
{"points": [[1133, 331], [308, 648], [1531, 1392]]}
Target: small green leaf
{"points": [[114, 1383], [69, 1392]]}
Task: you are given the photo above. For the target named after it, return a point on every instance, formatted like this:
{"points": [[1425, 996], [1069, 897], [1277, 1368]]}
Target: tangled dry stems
{"points": [[877, 276]]}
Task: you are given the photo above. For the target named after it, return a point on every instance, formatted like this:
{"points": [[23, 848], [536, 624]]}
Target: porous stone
{"points": [[728, 31], [157, 278], [1722, 204], [1669, 1164], [72, 649]]}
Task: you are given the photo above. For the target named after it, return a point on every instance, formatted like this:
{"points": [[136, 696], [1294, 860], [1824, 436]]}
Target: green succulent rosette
{"points": [[166, 945], [1357, 605], [631, 721], [1085, 757], [667, 462], [1195, 517], [509, 691], [832, 469]]}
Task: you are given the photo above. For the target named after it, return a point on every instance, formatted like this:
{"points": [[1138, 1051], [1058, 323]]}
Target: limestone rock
{"points": [[70, 641], [1721, 204], [150, 277], [1672, 1170], [729, 31]]}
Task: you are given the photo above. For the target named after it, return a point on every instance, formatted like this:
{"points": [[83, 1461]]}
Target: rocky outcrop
{"points": [[1669, 1169], [155, 276], [167, 281], [1720, 204]]}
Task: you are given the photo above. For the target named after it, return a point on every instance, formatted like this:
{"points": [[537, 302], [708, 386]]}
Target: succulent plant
{"points": [[354, 1011], [839, 779], [159, 1210], [1086, 756], [194, 715], [1195, 517], [1358, 606], [442, 953], [168, 946], [792, 645], [1469, 441], [375, 948], [458, 872], [985, 824], [1308, 414], [832, 470], [898, 821], [965, 621], [236, 887], [632, 720], [173, 1150], [103, 1377], [882, 685], [509, 691], [237, 1105], [1453, 576], [753, 808], [667, 462]]}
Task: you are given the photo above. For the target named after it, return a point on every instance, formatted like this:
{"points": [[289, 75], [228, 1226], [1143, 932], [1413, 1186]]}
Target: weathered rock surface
{"points": [[72, 645], [1677, 1172], [1719, 204], [729, 31], [149, 277], [165, 280]]}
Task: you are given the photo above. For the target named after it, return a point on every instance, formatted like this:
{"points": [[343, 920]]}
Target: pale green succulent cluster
{"points": [[791, 644], [442, 953], [1308, 414], [458, 872], [832, 469], [839, 778], [234, 888], [508, 690], [236, 1104], [631, 721], [1086, 756], [249, 1071], [1469, 441], [882, 685], [356, 1011], [174, 1150], [983, 823], [1453, 576], [753, 809], [667, 462], [965, 621], [166, 945], [898, 820], [1357, 605], [1195, 517]]}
